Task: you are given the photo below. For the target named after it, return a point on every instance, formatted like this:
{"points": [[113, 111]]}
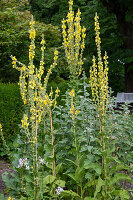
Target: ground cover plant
{"points": [[74, 150]]}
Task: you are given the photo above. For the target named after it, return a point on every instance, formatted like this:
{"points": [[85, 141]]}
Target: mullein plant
{"points": [[35, 98], [73, 41], [51, 102], [3, 139], [99, 81], [105, 187]]}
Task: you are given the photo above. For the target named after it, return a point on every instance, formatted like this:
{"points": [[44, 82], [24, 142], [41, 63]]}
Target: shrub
{"points": [[11, 112]]}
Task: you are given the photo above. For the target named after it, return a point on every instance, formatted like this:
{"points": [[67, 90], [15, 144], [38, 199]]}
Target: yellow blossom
{"points": [[73, 41], [57, 90], [0, 126], [72, 110], [72, 93], [99, 75]]}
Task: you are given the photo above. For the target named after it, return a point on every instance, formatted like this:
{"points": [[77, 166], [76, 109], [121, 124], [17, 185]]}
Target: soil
{"points": [[6, 167]]}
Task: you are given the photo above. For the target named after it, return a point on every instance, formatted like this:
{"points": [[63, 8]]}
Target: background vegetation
{"points": [[14, 22]]}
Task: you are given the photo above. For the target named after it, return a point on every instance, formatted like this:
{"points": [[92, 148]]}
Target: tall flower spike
{"points": [[73, 41], [99, 75], [32, 87]]}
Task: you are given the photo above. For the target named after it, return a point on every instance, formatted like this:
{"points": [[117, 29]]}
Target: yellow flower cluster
{"points": [[49, 101], [50, 70], [99, 75], [24, 121], [32, 31], [73, 111], [72, 93], [0, 127], [2, 137], [14, 60], [73, 41], [32, 87], [10, 198]]}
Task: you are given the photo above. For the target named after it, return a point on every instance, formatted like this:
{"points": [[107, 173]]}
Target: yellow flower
{"points": [[72, 93], [51, 93], [56, 53], [23, 68], [77, 111], [71, 2], [72, 110], [99, 75], [10, 198], [24, 121], [32, 23], [43, 41], [57, 90], [32, 34]]}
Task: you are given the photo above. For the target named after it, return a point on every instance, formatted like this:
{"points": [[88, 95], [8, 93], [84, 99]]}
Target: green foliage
{"points": [[11, 110], [75, 152], [14, 40], [54, 11]]}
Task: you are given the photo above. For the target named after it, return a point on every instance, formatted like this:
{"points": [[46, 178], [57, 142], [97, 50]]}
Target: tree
{"points": [[14, 37], [53, 11], [124, 14]]}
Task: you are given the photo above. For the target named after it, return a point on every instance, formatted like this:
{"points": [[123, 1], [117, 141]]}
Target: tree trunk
{"points": [[126, 29]]}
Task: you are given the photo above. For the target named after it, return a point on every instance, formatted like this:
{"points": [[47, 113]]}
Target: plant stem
{"points": [[36, 155], [52, 137]]}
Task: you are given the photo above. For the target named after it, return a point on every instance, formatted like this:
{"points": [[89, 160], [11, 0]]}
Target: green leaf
{"points": [[69, 193], [96, 167], [87, 185], [10, 182], [74, 163], [117, 168], [88, 175], [79, 174], [57, 169], [122, 193], [49, 179], [61, 183], [2, 197], [100, 183], [89, 198], [72, 177], [28, 179], [90, 148], [15, 144], [120, 177]]}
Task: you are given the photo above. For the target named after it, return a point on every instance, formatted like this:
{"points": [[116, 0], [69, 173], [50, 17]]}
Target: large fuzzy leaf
{"points": [[49, 179], [100, 183], [120, 177]]}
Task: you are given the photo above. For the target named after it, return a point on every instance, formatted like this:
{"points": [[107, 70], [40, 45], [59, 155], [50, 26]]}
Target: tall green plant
{"points": [[73, 41], [34, 96], [100, 91], [72, 147]]}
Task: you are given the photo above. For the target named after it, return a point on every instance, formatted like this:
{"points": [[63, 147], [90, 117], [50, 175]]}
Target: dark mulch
{"points": [[4, 167]]}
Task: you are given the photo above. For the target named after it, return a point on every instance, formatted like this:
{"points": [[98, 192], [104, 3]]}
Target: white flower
{"points": [[59, 190], [23, 163], [27, 167], [41, 161]]}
